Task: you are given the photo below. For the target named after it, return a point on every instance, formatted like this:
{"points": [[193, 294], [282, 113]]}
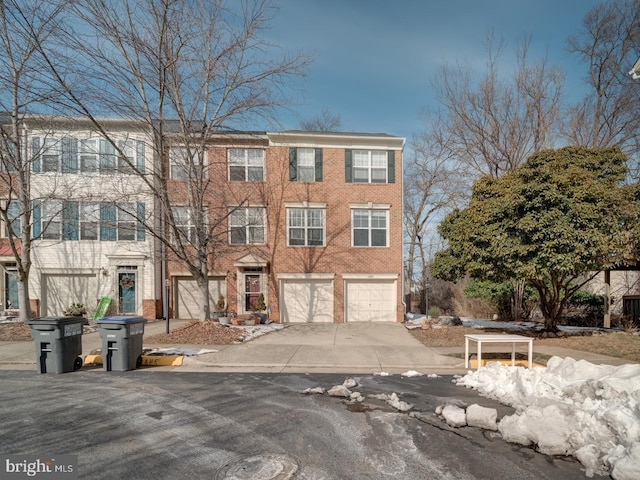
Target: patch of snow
{"points": [[482, 417], [339, 391], [350, 383], [318, 390], [381, 374], [394, 401], [433, 375], [356, 397], [570, 407], [255, 331], [187, 352], [412, 373], [454, 416]]}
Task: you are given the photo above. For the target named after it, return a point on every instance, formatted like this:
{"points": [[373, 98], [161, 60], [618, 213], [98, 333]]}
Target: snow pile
{"points": [[591, 412]]}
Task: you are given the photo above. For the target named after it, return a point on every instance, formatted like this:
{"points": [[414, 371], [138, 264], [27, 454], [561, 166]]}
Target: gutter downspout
{"points": [[402, 268]]}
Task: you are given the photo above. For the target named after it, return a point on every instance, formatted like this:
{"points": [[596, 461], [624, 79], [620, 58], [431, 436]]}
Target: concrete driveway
{"points": [[330, 347]]}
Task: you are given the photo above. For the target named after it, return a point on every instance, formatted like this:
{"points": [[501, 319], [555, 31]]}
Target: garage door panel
{"points": [[370, 301], [188, 296], [59, 291], [308, 301]]}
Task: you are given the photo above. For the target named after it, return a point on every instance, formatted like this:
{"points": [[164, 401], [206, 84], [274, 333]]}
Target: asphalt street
{"points": [[146, 424]]}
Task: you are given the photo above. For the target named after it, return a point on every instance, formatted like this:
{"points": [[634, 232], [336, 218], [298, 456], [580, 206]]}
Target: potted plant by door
{"points": [[219, 308], [261, 307]]}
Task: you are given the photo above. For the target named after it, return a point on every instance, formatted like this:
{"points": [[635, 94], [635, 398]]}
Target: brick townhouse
{"points": [[314, 225], [313, 221]]}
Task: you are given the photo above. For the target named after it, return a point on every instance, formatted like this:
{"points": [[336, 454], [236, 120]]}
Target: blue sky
{"points": [[374, 59]]}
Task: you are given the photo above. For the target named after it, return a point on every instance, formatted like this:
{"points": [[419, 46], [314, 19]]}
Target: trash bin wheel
{"points": [[139, 362], [77, 363]]}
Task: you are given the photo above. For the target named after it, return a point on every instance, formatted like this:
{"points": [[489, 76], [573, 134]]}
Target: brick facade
{"points": [[275, 260]]}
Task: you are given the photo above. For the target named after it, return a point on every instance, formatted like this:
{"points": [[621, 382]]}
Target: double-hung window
{"points": [[246, 226], [73, 220], [305, 226], [369, 227], [369, 166], [246, 164], [86, 155], [52, 219], [183, 162], [89, 221], [127, 221], [13, 215], [89, 155], [185, 224], [305, 164]]}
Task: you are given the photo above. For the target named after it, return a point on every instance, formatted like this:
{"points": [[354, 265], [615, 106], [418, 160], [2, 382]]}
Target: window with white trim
{"points": [[305, 164], [305, 227], [369, 227], [369, 166], [52, 219], [246, 164], [13, 215], [183, 160], [89, 221], [184, 223], [89, 155], [86, 155], [247, 226], [73, 220]]}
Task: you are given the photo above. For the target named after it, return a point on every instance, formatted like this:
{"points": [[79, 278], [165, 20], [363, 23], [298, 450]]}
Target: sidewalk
{"points": [[310, 348]]}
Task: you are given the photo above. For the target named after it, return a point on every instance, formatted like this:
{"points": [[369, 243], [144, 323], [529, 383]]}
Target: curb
{"points": [[147, 360]]}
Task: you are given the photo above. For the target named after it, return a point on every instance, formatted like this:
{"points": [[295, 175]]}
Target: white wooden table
{"points": [[485, 338]]}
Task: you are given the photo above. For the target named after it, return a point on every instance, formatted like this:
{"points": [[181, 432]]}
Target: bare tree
{"points": [[25, 88], [430, 186], [324, 122], [186, 71], [608, 43], [495, 124]]}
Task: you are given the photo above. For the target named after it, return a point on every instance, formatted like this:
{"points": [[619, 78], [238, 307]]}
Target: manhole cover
{"points": [[266, 466]]}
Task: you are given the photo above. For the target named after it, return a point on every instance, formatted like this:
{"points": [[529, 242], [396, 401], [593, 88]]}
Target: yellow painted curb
{"points": [[473, 363], [147, 360]]}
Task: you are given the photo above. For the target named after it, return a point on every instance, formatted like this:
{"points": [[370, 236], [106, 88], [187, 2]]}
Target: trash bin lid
{"points": [[55, 320], [121, 319]]}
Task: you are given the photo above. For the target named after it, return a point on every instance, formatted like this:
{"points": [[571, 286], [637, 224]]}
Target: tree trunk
{"points": [[205, 310]]}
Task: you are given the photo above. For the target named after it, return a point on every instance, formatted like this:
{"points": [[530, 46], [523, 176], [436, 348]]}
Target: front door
{"points": [[11, 291], [127, 292], [252, 291]]}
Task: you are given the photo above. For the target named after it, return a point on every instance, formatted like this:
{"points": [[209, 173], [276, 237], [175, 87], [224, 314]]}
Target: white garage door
{"points": [[188, 296], [370, 301], [59, 291], [306, 301]]}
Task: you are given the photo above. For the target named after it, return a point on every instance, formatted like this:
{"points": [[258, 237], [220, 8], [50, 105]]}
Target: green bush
{"points": [[434, 311]]}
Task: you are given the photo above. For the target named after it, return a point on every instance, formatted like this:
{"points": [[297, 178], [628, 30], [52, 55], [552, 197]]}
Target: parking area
{"points": [[148, 424]]}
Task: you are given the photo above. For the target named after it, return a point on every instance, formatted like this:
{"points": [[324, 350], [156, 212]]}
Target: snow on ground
{"points": [[569, 407], [187, 352], [259, 330]]}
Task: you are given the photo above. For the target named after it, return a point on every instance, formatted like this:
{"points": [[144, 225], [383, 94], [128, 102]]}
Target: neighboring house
{"points": [[85, 202], [312, 221]]}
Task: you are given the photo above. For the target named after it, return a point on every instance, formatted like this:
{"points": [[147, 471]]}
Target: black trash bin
{"points": [[58, 343], [121, 342]]}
